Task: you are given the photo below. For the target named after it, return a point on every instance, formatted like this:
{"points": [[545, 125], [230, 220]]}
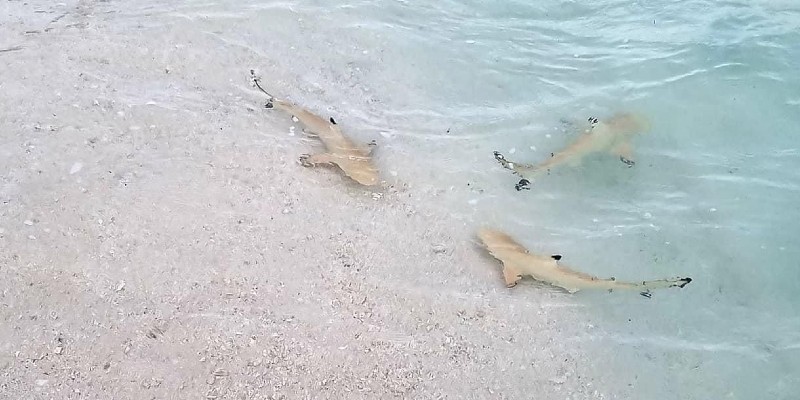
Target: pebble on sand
{"points": [[75, 168]]}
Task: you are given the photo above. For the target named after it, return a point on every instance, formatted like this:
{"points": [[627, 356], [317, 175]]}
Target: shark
{"points": [[518, 262], [612, 135], [353, 159]]}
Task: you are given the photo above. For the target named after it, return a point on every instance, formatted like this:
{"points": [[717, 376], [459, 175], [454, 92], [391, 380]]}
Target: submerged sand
{"points": [[159, 240]]}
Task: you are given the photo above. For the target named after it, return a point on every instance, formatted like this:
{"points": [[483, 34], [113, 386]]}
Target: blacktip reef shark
{"points": [[612, 135], [518, 262], [354, 160]]}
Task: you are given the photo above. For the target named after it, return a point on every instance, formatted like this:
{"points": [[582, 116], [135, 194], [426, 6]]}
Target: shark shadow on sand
{"points": [[354, 160], [518, 262]]}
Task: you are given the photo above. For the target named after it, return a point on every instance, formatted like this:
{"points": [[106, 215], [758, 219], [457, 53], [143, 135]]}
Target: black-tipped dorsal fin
{"points": [[556, 257], [333, 121]]}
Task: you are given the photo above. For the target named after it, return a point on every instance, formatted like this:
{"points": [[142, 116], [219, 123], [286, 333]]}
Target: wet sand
{"points": [[158, 239]]}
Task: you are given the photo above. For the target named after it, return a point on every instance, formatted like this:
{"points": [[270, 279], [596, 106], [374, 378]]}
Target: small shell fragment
{"points": [[75, 168]]}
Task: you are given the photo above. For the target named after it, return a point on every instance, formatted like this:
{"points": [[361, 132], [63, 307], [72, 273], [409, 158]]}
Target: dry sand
{"points": [[158, 240]]}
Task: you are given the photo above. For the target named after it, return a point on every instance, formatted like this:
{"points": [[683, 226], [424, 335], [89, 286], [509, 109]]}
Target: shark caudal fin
{"points": [[256, 80], [525, 171], [683, 282], [666, 283]]}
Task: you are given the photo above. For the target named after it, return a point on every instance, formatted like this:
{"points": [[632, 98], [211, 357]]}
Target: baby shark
{"points": [[354, 160], [518, 262], [610, 136]]}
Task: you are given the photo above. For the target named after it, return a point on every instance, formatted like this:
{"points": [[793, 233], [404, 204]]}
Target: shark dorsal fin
{"points": [[332, 120], [556, 257]]}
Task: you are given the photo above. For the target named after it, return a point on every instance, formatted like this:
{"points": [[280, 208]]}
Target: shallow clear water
{"points": [[715, 194]]}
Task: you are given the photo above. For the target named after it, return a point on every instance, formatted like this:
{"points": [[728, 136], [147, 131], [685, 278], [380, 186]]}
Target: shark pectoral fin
{"points": [[625, 153], [623, 149], [569, 289], [369, 148], [312, 160], [360, 170], [310, 134], [511, 275]]}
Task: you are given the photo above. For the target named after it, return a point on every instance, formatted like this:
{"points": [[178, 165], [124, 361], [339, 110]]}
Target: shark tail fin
{"points": [[683, 282], [666, 283], [527, 171], [258, 85]]}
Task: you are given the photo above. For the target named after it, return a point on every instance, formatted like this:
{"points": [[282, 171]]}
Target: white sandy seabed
{"points": [[159, 240]]}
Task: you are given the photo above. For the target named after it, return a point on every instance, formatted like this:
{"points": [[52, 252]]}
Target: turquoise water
{"points": [[715, 194]]}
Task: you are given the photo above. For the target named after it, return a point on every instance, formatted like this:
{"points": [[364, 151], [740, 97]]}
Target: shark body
{"points": [[518, 262], [612, 136]]}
